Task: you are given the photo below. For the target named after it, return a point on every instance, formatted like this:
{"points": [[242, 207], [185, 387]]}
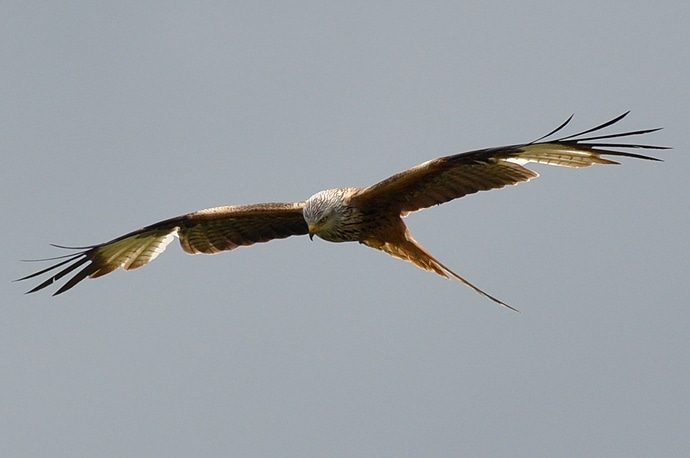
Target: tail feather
{"points": [[410, 250]]}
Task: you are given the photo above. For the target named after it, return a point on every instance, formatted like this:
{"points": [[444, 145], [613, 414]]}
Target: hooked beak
{"points": [[312, 229]]}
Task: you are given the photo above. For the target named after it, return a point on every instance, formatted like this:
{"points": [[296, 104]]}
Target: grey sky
{"points": [[114, 117]]}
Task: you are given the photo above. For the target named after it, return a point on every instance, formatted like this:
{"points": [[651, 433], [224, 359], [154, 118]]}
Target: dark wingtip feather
{"points": [[595, 144], [64, 247], [599, 127], [557, 129], [76, 260], [48, 269], [79, 276]]}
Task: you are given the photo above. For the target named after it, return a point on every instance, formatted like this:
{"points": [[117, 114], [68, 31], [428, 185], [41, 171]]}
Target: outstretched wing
{"points": [[206, 231], [451, 177]]}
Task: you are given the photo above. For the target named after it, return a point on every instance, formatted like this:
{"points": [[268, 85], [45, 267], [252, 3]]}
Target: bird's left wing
{"points": [[451, 177], [206, 231]]}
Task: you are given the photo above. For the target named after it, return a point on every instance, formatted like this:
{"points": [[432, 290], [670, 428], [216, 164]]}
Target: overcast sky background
{"points": [[117, 116]]}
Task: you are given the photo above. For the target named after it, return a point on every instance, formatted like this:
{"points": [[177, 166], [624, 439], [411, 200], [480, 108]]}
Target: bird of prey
{"points": [[371, 216]]}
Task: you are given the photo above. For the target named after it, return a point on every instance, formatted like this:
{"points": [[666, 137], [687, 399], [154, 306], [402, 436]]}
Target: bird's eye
{"points": [[323, 220]]}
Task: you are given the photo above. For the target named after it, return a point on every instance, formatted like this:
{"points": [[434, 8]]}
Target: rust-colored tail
{"points": [[411, 250]]}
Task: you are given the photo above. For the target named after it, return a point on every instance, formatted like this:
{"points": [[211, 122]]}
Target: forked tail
{"points": [[410, 250], [441, 269]]}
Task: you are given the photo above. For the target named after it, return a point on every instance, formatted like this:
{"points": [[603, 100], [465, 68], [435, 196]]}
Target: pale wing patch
{"points": [[132, 252], [557, 154]]}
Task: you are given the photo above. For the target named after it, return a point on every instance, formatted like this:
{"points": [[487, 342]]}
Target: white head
{"points": [[327, 214]]}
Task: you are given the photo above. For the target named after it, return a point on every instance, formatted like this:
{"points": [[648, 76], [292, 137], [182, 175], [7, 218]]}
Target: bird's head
{"points": [[324, 212]]}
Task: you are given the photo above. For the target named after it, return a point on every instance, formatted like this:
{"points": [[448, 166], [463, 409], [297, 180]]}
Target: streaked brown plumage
{"points": [[371, 216]]}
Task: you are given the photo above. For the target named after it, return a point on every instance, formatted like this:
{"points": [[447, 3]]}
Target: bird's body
{"points": [[371, 216]]}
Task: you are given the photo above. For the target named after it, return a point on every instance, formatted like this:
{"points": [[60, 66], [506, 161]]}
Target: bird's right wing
{"points": [[206, 231]]}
